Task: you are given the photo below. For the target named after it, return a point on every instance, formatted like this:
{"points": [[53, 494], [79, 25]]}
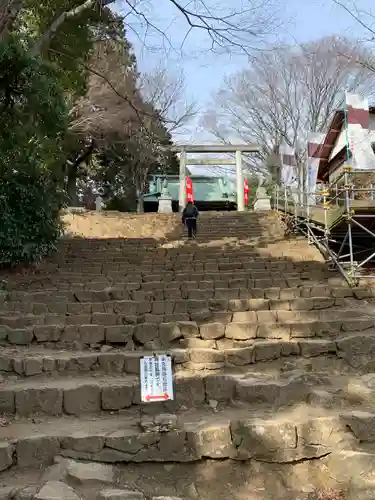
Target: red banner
{"points": [[189, 190], [246, 192]]}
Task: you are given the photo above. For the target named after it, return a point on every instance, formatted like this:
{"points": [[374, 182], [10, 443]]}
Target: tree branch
{"points": [[62, 18]]}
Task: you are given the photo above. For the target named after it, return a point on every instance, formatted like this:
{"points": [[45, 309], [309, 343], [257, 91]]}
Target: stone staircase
{"points": [[272, 355]]}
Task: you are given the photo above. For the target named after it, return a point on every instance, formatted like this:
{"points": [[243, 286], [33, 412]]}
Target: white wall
{"points": [[340, 143], [361, 139]]}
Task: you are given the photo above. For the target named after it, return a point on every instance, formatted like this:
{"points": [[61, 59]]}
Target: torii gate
{"points": [[184, 150]]}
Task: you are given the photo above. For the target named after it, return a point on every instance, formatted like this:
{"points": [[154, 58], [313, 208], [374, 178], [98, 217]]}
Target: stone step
{"points": [[159, 253], [261, 268], [286, 437], [167, 306], [182, 268], [192, 354], [79, 395], [190, 281], [168, 330], [170, 251], [142, 313]]}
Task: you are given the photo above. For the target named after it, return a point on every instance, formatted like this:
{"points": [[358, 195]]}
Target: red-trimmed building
{"points": [[333, 150]]}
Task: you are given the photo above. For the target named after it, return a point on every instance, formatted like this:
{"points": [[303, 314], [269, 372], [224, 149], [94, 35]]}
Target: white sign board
{"points": [[156, 378]]}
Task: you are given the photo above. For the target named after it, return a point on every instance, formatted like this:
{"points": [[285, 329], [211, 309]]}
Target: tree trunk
{"points": [[9, 11], [140, 204], [49, 34], [71, 186]]}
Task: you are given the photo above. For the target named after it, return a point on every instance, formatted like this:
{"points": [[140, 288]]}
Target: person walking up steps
{"points": [[189, 217]]}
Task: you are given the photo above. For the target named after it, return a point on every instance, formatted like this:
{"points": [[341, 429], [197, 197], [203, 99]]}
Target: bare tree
{"points": [[228, 28], [166, 91], [365, 18], [287, 93], [234, 26], [116, 118]]}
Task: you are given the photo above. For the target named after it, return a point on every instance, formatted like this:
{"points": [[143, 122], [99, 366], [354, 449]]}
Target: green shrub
{"points": [[34, 117], [30, 224]]}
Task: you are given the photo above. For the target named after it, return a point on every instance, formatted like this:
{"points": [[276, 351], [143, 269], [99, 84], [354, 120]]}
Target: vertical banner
{"points": [[288, 165], [246, 192], [289, 173], [189, 190], [357, 121], [315, 145]]}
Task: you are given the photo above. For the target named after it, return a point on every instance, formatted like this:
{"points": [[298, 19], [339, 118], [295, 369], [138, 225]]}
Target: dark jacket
{"points": [[190, 212]]}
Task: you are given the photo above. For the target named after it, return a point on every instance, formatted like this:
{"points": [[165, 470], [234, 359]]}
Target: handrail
{"points": [[339, 199]]}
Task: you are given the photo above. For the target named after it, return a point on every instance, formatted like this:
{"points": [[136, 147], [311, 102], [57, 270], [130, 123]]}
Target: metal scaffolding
{"points": [[339, 219]]}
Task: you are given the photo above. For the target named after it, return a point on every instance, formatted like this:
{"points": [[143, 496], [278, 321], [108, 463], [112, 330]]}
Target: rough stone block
{"points": [[79, 319], [166, 498], [194, 343], [308, 330], [188, 329], [316, 347], [70, 334], [117, 397], [120, 495], [241, 331], [258, 391], [237, 305], [46, 400], [261, 439], [189, 390], [302, 304], [212, 331], [212, 442], [82, 399], [325, 431], [239, 357], [48, 333], [83, 441], [168, 332], [112, 362], [5, 364], [218, 305], [32, 366], [7, 401], [272, 293], [129, 443], [36, 450], [119, 334], [266, 351], [56, 490], [6, 455], [280, 305], [21, 336], [7, 492], [90, 474], [273, 331], [180, 307], [206, 356], [128, 307], [91, 334], [290, 348], [220, 387], [362, 425], [357, 325], [358, 350], [27, 493], [245, 317], [146, 332]]}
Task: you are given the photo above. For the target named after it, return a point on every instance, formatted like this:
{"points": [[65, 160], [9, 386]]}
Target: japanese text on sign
{"points": [[156, 378]]}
